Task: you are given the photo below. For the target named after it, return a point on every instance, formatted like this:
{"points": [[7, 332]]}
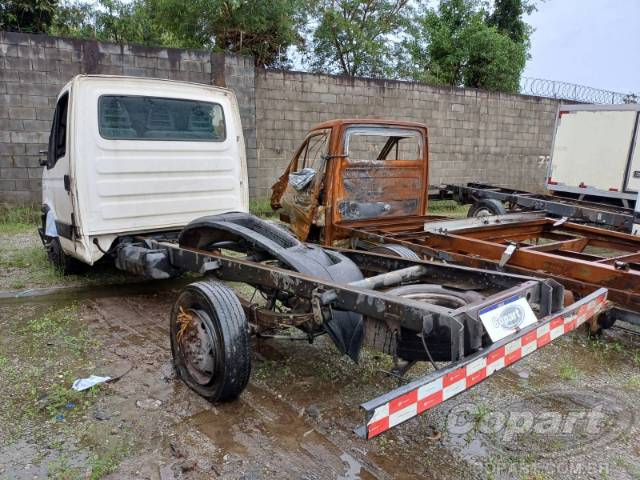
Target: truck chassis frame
{"points": [[367, 297], [527, 244], [597, 213], [412, 399]]}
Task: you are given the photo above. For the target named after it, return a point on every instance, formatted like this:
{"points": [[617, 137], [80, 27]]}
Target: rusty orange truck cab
{"points": [[353, 170], [367, 182]]}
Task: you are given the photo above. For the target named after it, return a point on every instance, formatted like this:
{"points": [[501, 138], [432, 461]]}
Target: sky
{"points": [[589, 42]]}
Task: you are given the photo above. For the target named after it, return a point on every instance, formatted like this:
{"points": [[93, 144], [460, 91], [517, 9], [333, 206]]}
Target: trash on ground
{"points": [[85, 383]]}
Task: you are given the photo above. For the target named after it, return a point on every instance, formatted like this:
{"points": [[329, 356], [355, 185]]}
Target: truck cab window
{"points": [[58, 136], [371, 143], [122, 117], [316, 148]]}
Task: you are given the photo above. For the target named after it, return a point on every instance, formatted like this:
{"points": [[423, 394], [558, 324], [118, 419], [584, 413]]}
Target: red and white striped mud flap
{"points": [[408, 401]]}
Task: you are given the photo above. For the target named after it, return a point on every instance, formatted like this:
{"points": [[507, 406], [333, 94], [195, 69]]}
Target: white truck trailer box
{"points": [[595, 152]]}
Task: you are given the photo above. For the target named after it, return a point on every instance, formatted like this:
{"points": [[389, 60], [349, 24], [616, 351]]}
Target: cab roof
{"points": [[339, 122]]}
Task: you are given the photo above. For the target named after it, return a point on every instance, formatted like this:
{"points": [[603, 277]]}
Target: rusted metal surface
{"points": [[583, 258], [378, 179]]}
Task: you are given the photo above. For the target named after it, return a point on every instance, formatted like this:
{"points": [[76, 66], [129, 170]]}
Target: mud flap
{"points": [[346, 330]]}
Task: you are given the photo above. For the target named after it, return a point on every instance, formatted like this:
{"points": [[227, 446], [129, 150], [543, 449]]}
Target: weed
{"points": [[633, 383], [480, 414], [449, 208], [261, 207], [568, 372], [18, 218], [105, 463], [604, 347]]}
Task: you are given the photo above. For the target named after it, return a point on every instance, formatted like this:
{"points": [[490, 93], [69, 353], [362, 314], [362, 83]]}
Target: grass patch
{"points": [[568, 372], [48, 349], [633, 383], [45, 355], [18, 218], [97, 466], [261, 207], [448, 208]]}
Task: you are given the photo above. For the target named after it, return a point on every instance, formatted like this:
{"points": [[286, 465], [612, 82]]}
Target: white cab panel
{"points": [[126, 186]]}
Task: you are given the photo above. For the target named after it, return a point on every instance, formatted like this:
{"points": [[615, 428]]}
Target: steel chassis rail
{"points": [[591, 212], [505, 244], [325, 294]]}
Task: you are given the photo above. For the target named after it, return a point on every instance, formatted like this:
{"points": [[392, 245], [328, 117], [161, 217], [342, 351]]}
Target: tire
{"points": [[62, 262], [486, 207], [396, 251], [211, 346], [410, 346]]}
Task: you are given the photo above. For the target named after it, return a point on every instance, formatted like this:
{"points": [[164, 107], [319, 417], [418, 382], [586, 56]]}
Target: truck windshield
{"points": [[151, 118]]}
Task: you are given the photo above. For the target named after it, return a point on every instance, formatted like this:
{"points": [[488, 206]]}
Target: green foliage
{"points": [[261, 207], [116, 21], [29, 16], [472, 43], [18, 218], [507, 18], [264, 30], [455, 45], [357, 37]]}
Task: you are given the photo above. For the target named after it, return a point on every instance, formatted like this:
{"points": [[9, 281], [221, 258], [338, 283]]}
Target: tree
{"points": [[507, 18], [455, 45], [29, 16], [118, 21], [263, 29], [356, 37]]}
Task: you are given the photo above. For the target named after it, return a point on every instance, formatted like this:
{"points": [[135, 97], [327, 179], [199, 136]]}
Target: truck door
{"points": [[383, 173], [304, 182], [56, 179]]}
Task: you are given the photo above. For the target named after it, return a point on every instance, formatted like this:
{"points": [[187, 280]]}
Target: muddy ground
{"points": [[295, 420], [566, 412]]}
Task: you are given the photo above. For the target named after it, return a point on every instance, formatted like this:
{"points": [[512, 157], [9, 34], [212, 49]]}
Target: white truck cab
{"points": [[132, 155]]}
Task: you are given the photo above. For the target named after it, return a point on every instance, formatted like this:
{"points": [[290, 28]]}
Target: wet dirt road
{"points": [[567, 411]]}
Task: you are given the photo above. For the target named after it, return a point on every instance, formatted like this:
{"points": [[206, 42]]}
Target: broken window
{"points": [[379, 143]]}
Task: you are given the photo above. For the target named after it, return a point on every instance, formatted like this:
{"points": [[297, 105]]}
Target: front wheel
{"points": [[61, 261], [210, 341], [486, 207]]}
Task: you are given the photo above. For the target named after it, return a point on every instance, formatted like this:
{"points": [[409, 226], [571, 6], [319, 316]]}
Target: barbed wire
{"points": [[571, 91]]}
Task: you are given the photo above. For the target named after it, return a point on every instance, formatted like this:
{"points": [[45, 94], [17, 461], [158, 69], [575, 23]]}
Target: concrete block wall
{"points": [[474, 135], [33, 68]]}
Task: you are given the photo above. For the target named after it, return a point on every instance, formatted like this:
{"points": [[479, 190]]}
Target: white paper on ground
{"points": [[84, 383]]}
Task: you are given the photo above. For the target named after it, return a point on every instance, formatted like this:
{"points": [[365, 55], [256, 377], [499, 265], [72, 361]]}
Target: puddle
{"points": [[261, 428]]}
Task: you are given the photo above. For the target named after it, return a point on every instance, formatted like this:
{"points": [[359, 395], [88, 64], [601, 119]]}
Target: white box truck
{"points": [[596, 153]]}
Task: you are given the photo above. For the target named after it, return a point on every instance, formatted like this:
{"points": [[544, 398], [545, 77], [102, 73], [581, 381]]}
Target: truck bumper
{"points": [[408, 401]]}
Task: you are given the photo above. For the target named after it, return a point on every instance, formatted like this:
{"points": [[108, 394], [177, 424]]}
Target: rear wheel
{"points": [[61, 261], [210, 341], [486, 207]]}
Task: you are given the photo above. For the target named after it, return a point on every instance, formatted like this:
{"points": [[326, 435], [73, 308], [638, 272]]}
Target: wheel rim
{"points": [[483, 212], [197, 344]]}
